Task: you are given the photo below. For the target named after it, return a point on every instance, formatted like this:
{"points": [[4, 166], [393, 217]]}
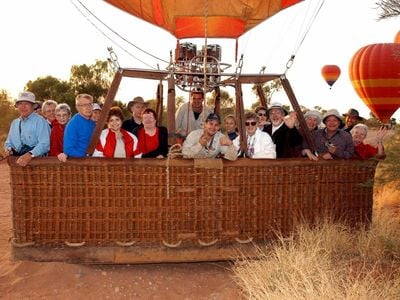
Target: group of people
{"points": [[270, 133]]}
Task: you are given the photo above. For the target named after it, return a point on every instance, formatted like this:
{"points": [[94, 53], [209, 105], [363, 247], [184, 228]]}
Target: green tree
{"points": [[91, 79], [50, 87], [8, 113]]}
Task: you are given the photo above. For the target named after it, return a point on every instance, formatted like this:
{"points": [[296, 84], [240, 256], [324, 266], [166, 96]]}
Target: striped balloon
{"points": [[330, 73], [375, 75], [397, 37]]}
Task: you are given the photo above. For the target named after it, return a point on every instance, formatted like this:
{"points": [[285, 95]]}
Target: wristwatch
{"points": [[31, 154]]}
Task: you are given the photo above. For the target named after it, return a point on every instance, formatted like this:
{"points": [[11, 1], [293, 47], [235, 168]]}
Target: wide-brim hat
{"points": [[27, 97], [277, 105], [135, 100], [332, 112], [314, 113], [353, 113]]}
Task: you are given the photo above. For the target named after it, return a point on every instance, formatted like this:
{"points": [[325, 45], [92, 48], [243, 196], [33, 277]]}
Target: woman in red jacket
{"points": [[153, 139], [63, 115], [115, 141]]}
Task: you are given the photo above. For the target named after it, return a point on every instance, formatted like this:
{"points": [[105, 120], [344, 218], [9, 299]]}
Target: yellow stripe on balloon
{"points": [[389, 82]]}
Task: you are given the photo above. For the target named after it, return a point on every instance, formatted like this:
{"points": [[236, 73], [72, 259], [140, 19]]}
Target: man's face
{"points": [[332, 123], [25, 108], [351, 121], [84, 106], [49, 112], [96, 115], [276, 116], [137, 110], [197, 100], [211, 127]]}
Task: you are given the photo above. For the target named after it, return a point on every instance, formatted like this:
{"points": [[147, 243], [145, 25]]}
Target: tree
{"points": [[269, 88], [389, 8], [91, 79], [8, 113]]}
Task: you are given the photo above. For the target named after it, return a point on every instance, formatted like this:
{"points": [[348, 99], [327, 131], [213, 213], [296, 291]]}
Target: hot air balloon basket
{"points": [[97, 210]]}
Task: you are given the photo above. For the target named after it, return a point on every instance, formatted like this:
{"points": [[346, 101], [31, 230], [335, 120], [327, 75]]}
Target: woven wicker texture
{"points": [[109, 202]]}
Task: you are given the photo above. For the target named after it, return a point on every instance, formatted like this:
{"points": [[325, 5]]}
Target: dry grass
{"points": [[330, 260]]}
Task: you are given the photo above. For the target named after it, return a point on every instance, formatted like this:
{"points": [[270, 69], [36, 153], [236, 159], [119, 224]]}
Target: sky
{"points": [[46, 37]]}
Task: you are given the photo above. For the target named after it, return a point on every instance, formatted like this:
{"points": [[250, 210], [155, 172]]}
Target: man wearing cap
{"points": [[136, 107], [29, 135], [331, 142], [190, 115], [285, 135], [79, 129], [209, 142], [96, 112], [352, 117]]}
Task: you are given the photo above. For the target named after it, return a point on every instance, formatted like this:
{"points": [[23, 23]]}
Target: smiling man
{"points": [[29, 135], [209, 142], [79, 129]]}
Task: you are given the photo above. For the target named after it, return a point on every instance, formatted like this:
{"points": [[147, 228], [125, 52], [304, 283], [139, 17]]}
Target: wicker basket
{"points": [[98, 210]]}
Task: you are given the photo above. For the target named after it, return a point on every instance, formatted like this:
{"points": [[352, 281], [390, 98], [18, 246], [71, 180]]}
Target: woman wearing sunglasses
{"points": [[263, 120], [259, 143]]}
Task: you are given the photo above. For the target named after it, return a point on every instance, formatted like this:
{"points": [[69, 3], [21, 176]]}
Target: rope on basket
{"points": [[21, 245], [250, 239], [170, 245], [174, 152], [125, 244], [207, 244]]}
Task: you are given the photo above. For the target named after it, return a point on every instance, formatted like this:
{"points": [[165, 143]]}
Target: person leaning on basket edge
{"points": [[29, 134], [79, 129], [331, 142], [209, 142]]}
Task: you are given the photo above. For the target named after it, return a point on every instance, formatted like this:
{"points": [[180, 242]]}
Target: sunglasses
{"points": [[262, 114], [250, 123]]}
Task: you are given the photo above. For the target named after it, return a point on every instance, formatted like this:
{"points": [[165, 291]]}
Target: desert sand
{"points": [[34, 280]]}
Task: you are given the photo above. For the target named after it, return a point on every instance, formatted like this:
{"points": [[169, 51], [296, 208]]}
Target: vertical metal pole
{"points": [[217, 101], [240, 116], [160, 100], [171, 110]]}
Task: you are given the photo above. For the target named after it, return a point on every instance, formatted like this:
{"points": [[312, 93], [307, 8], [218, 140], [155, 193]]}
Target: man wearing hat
{"points": [[96, 112], [352, 117], [209, 142], [285, 135], [190, 115], [331, 142], [29, 135], [136, 107]]}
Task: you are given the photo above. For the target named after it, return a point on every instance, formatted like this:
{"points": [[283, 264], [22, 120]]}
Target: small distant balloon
{"points": [[330, 73]]}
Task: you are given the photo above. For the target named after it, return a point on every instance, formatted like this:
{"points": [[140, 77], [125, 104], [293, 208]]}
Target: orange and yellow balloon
{"points": [[375, 75], [330, 73], [397, 37]]}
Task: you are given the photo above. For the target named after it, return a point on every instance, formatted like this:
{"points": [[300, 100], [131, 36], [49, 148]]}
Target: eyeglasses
{"points": [[262, 114], [253, 123], [86, 105]]}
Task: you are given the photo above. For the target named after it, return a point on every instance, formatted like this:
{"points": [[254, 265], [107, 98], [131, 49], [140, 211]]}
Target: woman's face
{"points": [[262, 116], [358, 135], [114, 123], [62, 116], [312, 122], [332, 123], [230, 125], [149, 121]]}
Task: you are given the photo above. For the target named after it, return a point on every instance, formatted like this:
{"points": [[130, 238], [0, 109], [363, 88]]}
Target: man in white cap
{"points": [[96, 112], [283, 132], [136, 107], [331, 142], [29, 135]]}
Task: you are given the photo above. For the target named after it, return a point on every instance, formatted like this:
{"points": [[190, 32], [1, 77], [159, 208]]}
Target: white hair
{"points": [[361, 126]]}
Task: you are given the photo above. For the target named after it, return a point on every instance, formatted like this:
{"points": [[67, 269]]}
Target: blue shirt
{"points": [[77, 135], [33, 131]]}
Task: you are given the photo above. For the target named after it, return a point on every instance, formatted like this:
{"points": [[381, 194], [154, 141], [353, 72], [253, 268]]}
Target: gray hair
{"points": [[63, 106], [361, 126], [48, 103]]}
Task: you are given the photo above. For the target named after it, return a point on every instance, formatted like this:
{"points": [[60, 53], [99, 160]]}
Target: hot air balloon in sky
{"points": [[204, 18], [375, 75], [330, 73]]}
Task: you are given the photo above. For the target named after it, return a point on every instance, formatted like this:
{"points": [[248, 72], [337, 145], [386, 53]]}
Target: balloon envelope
{"points": [[330, 73], [375, 75], [397, 37], [201, 18]]}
